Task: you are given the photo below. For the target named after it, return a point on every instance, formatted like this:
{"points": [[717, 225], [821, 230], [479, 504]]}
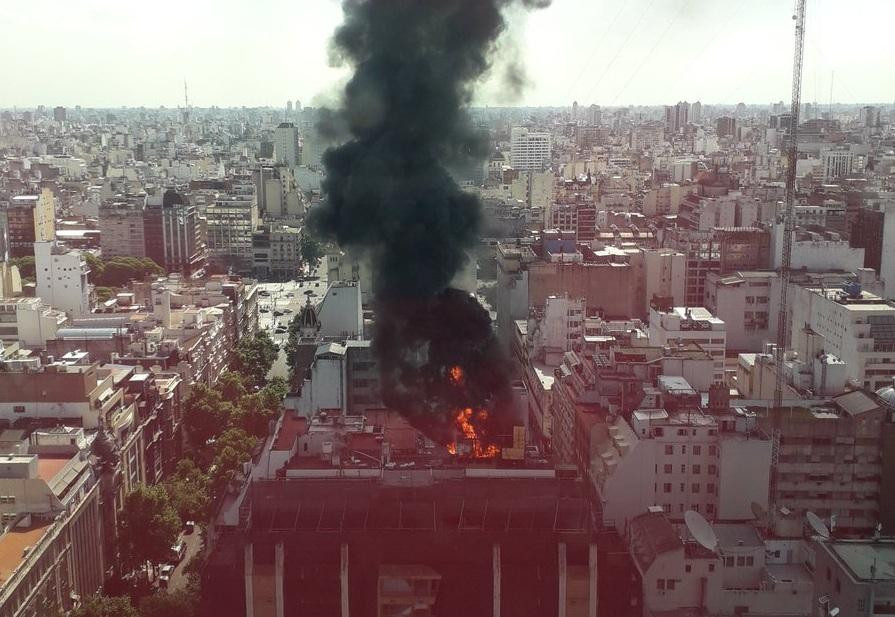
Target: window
{"points": [[666, 487], [682, 487], [713, 471], [711, 567], [683, 449], [741, 561], [750, 560], [668, 468], [695, 487], [697, 469], [713, 450], [660, 583], [670, 584], [710, 508], [688, 568], [683, 469], [18, 409], [666, 507], [728, 562], [669, 449], [861, 605], [697, 450], [710, 489]]}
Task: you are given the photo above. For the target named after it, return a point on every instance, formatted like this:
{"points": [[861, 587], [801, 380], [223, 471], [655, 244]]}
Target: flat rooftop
{"points": [[13, 544], [862, 556]]}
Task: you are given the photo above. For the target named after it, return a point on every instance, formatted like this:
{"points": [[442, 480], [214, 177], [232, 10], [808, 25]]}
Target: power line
{"points": [[593, 52], [620, 49], [650, 53]]}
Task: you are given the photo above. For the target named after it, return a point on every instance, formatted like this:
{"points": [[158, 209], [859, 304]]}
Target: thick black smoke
{"points": [[389, 194]]}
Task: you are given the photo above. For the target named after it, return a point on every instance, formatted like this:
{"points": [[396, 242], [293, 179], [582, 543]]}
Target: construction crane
{"points": [[792, 151]]}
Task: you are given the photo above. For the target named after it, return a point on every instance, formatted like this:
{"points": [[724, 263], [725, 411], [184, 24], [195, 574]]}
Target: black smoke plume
{"points": [[388, 193]]}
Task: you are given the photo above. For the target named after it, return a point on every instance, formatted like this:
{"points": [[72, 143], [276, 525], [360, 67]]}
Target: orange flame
{"points": [[463, 419], [456, 374]]}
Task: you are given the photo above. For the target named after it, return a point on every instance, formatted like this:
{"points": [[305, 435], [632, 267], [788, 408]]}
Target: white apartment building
{"points": [[664, 275], [286, 147], [743, 575], [682, 325], [29, 321], [530, 150], [836, 164], [231, 221], [856, 327], [816, 252], [748, 303], [663, 200], [679, 461], [559, 329], [62, 278]]}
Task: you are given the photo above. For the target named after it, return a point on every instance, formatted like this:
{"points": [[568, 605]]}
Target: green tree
{"points": [[231, 387], [172, 604], [104, 606], [119, 271], [253, 358], [96, 267], [311, 250], [188, 491], [148, 526], [105, 293], [253, 414], [274, 392], [205, 415], [231, 450]]}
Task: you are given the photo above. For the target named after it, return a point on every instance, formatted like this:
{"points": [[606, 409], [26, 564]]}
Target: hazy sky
{"points": [[609, 52]]}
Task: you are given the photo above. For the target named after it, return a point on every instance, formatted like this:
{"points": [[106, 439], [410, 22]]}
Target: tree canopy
{"points": [[311, 250], [148, 527], [104, 606], [253, 358]]}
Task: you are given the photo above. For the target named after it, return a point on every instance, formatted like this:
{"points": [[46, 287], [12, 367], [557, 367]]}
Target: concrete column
{"points": [[279, 559], [561, 571], [343, 576], [592, 589], [495, 564], [249, 558]]}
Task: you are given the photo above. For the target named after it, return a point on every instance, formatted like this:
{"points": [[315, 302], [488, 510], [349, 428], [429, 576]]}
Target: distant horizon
{"points": [[786, 104], [251, 54]]}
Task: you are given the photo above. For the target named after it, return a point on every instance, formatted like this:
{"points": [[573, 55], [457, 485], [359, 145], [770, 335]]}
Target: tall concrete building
{"points": [[836, 164], [62, 278], [230, 222], [594, 115], [24, 220], [173, 234], [121, 227], [676, 117], [530, 150], [286, 146]]}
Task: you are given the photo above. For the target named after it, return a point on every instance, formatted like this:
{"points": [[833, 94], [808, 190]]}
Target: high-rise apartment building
{"points": [[530, 150], [836, 164], [676, 117], [725, 126], [286, 147], [27, 219], [173, 235], [121, 227], [230, 222], [62, 277]]}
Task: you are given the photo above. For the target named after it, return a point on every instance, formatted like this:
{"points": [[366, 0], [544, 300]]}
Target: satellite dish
{"points": [[701, 530], [817, 525]]}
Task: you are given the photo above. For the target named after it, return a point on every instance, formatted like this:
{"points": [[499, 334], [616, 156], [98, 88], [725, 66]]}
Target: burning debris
{"points": [[390, 195]]}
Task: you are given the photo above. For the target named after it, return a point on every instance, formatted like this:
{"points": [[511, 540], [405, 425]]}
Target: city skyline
{"points": [[647, 52]]}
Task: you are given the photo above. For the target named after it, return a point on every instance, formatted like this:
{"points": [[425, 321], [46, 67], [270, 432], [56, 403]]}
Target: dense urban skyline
{"points": [[639, 52]]}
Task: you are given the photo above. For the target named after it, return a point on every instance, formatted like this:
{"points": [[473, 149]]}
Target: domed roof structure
{"points": [[887, 394], [307, 318]]}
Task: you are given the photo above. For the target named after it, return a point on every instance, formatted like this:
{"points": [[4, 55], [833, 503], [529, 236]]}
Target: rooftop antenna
{"points": [[186, 96]]}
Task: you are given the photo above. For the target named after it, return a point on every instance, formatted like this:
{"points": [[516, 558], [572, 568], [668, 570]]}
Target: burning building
{"points": [[390, 196]]}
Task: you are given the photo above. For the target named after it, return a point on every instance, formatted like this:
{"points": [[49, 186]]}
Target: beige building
{"points": [[121, 227]]}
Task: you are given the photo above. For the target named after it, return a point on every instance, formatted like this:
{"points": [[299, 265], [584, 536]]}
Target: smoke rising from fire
{"points": [[389, 194]]}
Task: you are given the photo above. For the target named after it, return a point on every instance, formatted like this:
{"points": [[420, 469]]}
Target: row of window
{"points": [[694, 469], [695, 488], [697, 450]]}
